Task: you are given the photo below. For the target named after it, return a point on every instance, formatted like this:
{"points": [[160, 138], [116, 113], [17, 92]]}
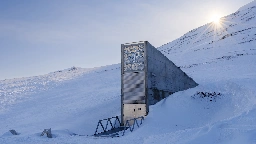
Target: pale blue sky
{"points": [[42, 36]]}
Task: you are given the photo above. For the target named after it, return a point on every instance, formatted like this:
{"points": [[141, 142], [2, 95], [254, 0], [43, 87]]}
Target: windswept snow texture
{"points": [[222, 59]]}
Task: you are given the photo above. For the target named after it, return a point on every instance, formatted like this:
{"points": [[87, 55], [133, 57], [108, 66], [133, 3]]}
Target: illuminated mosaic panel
{"points": [[134, 57]]}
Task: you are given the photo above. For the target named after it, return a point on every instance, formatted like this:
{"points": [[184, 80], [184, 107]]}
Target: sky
{"points": [[42, 36]]}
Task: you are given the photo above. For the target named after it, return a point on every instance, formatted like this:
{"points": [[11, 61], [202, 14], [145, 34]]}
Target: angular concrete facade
{"points": [[147, 77]]}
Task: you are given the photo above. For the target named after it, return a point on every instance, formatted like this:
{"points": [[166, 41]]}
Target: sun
{"points": [[215, 19]]}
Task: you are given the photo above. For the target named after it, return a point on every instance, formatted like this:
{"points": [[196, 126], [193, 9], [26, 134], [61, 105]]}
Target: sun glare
{"points": [[215, 19]]}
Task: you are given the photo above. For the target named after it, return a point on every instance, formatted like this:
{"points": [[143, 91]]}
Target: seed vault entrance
{"points": [[147, 76]]}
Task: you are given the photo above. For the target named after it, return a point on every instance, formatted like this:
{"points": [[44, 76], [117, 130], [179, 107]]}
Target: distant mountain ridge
{"points": [[235, 31]]}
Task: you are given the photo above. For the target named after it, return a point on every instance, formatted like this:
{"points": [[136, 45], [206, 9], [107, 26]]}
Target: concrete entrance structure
{"points": [[147, 76]]}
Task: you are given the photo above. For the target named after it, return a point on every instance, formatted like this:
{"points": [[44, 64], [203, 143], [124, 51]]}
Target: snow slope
{"points": [[222, 59]]}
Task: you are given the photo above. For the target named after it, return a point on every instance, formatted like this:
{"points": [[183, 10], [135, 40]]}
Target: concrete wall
{"points": [[163, 76], [133, 85], [147, 77]]}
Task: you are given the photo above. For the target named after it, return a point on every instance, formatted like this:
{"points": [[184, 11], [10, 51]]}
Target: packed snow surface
{"points": [[222, 109]]}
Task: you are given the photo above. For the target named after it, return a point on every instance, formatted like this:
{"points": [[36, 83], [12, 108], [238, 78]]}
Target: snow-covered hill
{"points": [[222, 59]]}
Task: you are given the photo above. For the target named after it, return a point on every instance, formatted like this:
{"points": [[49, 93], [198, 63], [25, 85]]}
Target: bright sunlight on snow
{"points": [[222, 109]]}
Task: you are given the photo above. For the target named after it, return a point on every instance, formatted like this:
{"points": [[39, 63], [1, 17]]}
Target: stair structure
{"points": [[111, 127]]}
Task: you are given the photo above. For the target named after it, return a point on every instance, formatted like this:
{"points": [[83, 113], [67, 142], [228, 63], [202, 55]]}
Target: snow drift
{"points": [[220, 110]]}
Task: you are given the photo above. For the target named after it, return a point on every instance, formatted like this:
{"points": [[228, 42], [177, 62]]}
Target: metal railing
{"points": [[115, 124], [135, 121], [108, 121]]}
